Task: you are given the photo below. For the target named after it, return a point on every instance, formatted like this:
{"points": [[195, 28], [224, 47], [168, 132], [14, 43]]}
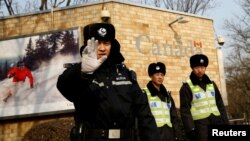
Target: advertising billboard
{"points": [[29, 68]]}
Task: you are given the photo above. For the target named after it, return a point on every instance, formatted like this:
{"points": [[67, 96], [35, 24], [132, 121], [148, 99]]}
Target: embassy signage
{"points": [[146, 45]]}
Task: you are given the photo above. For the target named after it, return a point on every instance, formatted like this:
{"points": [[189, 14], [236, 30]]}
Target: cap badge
{"points": [[102, 32], [157, 68], [202, 61]]}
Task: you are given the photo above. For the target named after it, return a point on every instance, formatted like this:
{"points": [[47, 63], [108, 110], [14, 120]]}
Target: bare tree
{"points": [[8, 4], [238, 62], [43, 5], [54, 3], [189, 6]]}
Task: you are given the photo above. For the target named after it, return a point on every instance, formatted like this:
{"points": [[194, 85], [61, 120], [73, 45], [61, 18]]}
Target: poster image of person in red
{"points": [[18, 75]]}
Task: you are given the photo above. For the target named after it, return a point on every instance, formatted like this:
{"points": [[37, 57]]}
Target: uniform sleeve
{"points": [[175, 120], [220, 105], [185, 106], [146, 123], [70, 83]]}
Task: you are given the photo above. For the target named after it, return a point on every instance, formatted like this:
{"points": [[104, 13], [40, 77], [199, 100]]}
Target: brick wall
{"points": [[144, 35]]}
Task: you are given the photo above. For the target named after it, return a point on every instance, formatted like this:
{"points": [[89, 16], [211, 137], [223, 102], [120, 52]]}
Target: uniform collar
{"points": [[196, 81], [162, 94]]}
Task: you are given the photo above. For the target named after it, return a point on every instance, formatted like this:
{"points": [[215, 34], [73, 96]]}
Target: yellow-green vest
{"points": [[159, 109], [203, 103]]}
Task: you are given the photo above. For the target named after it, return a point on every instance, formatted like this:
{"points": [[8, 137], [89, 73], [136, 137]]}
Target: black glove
{"points": [[192, 135], [31, 86]]}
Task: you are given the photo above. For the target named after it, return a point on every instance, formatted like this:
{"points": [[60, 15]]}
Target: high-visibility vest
{"points": [[159, 109], [203, 103]]}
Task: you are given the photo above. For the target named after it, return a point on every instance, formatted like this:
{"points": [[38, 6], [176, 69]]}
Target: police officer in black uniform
{"points": [[106, 95], [201, 103]]}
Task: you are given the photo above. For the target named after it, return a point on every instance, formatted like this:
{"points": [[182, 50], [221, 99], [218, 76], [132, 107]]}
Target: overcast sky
{"points": [[225, 10]]}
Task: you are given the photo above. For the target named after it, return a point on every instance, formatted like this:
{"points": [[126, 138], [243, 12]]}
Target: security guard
{"points": [[106, 95], [162, 104], [200, 101]]}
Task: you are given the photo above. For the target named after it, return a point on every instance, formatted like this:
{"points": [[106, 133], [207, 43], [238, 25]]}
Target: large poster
{"points": [[29, 68]]}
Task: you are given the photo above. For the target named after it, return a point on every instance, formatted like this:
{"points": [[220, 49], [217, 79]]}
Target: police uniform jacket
{"points": [[185, 104], [108, 99], [166, 132]]}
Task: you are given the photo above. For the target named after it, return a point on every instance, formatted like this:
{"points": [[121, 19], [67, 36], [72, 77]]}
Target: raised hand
{"points": [[89, 57]]}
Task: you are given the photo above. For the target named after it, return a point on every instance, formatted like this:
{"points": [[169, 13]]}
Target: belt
{"points": [[108, 133]]}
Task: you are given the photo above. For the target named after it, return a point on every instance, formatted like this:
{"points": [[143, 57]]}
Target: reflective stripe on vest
{"points": [[159, 109], [203, 103]]}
